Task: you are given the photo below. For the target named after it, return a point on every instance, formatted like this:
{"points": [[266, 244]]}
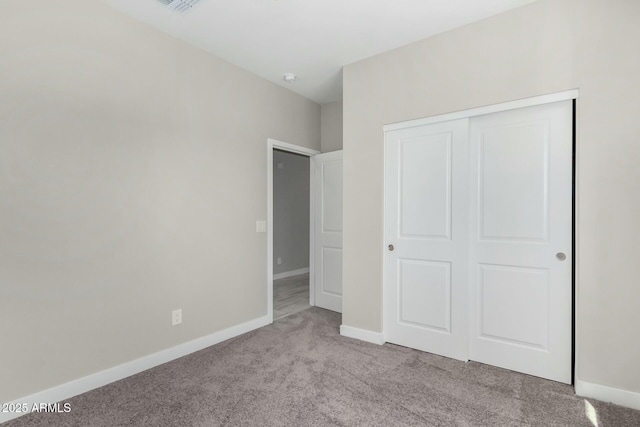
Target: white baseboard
{"points": [[362, 334], [630, 399], [102, 378], [290, 273]]}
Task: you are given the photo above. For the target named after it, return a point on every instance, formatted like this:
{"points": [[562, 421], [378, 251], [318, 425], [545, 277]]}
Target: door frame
{"points": [[488, 109], [274, 144], [572, 94]]}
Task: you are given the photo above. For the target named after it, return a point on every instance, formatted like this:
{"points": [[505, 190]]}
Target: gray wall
{"points": [[331, 126], [545, 47], [290, 211], [132, 173]]}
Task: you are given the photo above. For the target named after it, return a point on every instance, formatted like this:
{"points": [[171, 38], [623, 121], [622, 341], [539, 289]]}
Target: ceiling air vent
{"points": [[180, 6]]}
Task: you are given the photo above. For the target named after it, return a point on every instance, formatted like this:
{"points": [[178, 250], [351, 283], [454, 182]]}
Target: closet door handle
{"points": [[560, 256], [391, 248]]}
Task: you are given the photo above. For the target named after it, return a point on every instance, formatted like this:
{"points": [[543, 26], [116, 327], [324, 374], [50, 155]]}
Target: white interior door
{"points": [[520, 246], [328, 231], [426, 229], [479, 214]]}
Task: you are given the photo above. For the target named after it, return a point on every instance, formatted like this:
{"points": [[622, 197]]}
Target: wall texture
{"points": [[548, 46], [331, 126], [290, 211], [132, 171]]}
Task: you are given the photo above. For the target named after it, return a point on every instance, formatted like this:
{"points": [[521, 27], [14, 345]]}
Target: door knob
{"points": [[560, 256], [391, 248]]}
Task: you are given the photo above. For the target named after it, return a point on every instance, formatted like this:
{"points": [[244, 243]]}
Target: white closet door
{"points": [[328, 231], [426, 238], [478, 214], [520, 240]]}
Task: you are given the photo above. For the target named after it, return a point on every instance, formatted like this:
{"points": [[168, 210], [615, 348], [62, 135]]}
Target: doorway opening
{"points": [[290, 219], [291, 237]]}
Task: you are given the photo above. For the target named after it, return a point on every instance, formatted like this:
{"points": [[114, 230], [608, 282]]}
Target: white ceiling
{"points": [[313, 39]]}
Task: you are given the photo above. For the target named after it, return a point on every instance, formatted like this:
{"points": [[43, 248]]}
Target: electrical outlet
{"points": [[261, 226], [176, 317], [279, 260]]}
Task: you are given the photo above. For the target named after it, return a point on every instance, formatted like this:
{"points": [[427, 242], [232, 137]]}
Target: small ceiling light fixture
{"points": [[289, 77]]}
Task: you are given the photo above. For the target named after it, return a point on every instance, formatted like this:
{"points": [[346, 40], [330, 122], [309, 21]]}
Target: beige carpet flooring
{"points": [[299, 371]]}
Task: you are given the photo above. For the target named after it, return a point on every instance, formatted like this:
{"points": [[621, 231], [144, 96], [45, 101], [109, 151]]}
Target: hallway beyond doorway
{"points": [[290, 295]]}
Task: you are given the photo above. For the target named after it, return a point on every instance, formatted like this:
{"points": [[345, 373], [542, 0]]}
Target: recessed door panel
{"points": [[513, 305], [332, 271], [332, 200], [513, 167], [425, 203], [425, 294]]}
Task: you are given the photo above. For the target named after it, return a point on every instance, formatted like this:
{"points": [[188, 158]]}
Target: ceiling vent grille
{"points": [[180, 6]]}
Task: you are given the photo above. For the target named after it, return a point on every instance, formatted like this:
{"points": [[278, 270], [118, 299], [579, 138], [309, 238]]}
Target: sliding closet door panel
{"points": [[520, 240], [513, 169], [426, 229]]}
